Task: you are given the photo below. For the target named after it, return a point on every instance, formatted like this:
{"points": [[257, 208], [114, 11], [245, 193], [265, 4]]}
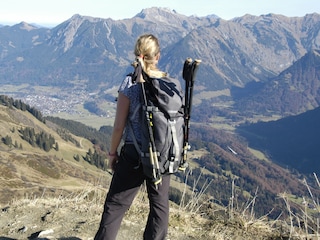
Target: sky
{"points": [[54, 12]]}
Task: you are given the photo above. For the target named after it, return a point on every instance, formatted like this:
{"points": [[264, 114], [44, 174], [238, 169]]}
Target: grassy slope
{"points": [[30, 170]]}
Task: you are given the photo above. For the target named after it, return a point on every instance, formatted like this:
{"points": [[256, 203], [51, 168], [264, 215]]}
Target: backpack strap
{"points": [[136, 145], [134, 138], [130, 128], [175, 145]]}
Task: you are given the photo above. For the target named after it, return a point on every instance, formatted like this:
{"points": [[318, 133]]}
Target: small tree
{"points": [[57, 146], [7, 140]]}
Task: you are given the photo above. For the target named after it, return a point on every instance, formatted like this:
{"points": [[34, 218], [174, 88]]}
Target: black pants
{"points": [[125, 184]]}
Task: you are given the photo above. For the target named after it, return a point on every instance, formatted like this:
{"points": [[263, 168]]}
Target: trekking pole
{"points": [[189, 73], [138, 76], [152, 146]]}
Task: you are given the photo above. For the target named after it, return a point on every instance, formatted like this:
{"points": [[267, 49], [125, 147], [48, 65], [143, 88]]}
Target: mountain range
{"points": [[234, 53]]}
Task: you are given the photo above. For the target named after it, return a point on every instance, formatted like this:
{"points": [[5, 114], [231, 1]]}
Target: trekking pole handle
{"points": [[189, 69], [195, 65], [186, 69]]}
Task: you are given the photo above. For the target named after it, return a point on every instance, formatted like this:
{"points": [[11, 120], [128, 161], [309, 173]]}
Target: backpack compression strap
{"points": [[175, 144]]}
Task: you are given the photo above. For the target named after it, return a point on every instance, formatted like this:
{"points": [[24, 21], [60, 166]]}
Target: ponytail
{"points": [[147, 52]]}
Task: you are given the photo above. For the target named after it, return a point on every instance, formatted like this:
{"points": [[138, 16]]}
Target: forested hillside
{"points": [[291, 142]]}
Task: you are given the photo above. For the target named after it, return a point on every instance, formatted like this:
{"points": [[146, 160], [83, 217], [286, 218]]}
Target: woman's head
{"points": [[147, 50], [147, 46]]}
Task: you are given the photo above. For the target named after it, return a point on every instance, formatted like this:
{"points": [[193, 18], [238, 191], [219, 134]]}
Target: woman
{"points": [[128, 174]]}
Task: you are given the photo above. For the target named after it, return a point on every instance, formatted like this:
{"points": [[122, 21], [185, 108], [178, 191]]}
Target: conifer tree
{"points": [[7, 140]]}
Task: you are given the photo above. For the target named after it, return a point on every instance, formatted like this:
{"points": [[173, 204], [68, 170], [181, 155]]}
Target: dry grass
{"points": [[304, 223], [63, 212], [77, 215], [68, 215]]}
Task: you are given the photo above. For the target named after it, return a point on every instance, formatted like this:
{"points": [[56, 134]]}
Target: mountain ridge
{"points": [[293, 91], [182, 26]]}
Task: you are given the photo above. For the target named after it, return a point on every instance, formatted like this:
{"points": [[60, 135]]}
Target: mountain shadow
{"points": [[292, 142]]}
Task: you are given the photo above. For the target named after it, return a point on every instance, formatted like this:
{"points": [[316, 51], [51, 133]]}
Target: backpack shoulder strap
{"points": [[134, 138], [130, 128]]}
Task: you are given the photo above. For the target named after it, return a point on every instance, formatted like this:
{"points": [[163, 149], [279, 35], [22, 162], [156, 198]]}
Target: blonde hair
{"points": [[147, 51]]}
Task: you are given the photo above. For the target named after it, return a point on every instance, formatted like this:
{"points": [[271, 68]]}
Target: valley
{"points": [[67, 103]]}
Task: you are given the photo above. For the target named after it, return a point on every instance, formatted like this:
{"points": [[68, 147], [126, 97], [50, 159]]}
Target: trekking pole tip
{"points": [[183, 166]]}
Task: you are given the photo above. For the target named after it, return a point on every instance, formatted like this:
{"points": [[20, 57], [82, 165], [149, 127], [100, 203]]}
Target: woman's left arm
{"points": [[118, 127]]}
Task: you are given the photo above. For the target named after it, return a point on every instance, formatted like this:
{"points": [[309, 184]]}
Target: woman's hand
{"points": [[113, 160]]}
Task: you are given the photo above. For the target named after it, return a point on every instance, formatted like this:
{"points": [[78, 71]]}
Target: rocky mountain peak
{"points": [[212, 16], [68, 31], [25, 26], [164, 15], [81, 18], [149, 12]]}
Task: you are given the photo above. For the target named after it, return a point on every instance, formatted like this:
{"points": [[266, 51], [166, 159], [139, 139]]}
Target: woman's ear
{"points": [[158, 56]]}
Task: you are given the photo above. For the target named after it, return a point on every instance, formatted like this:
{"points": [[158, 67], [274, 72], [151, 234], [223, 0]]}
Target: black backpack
{"points": [[164, 126]]}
